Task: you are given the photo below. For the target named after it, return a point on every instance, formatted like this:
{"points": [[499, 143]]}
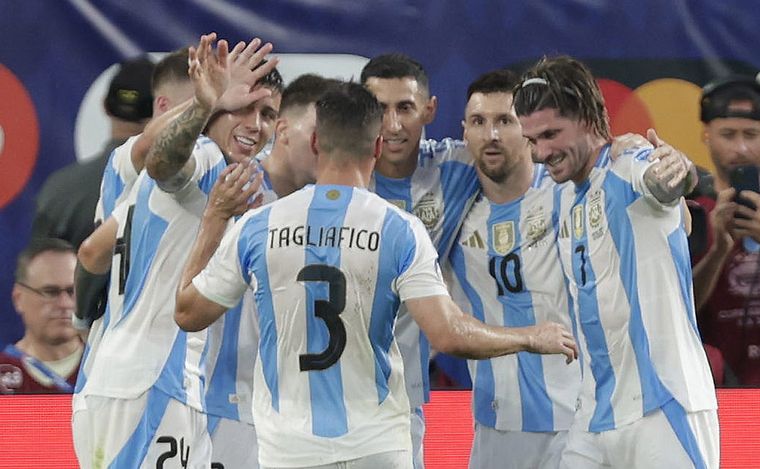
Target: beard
{"points": [[497, 174]]}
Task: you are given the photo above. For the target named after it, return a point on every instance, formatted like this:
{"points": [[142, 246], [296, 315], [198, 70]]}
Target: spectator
{"points": [[727, 272], [46, 359], [66, 202]]}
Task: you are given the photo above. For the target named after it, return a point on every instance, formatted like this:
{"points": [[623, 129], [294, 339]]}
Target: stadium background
{"points": [[651, 56]]}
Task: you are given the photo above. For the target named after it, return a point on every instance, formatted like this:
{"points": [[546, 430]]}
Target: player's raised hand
{"points": [[674, 167], [550, 338], [233, 192], [247, 65], [209, 70]]}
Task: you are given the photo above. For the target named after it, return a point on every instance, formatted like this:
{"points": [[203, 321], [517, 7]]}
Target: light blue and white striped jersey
{"points": [[627, 261], [233, 341], [328, 266], [142, 347], [439, 192], [118, 178], [505, 260]]}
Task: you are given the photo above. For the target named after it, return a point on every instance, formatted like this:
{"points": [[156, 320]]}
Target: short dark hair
{"points": [[305, 90], [496, 81], [36, 247], [395, 65], [348, 120], [173, 67], [719, 94], [567, 85], [272, 80]]}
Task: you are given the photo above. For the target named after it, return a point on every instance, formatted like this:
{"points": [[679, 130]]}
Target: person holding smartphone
{"points": [[726, 273]]}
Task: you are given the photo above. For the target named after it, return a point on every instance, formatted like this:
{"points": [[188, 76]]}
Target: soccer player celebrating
{"points": [[647, 397], [328, 266]]}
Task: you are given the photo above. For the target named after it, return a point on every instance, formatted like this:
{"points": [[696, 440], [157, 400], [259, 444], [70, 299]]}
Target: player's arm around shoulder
{"points": [[671, 176]]}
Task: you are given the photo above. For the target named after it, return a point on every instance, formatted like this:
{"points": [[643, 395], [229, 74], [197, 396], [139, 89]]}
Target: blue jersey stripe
{"points": [[136, 448], [588, 305], [209, 178], [653, 392], [679, 248], [517, 311], [172, 375], [677, 417], [385, 303], [459, 184], [113, 186], [146, 233], [256, 264], [484, 388], [395, 190], [329, 416], [222, 382]]}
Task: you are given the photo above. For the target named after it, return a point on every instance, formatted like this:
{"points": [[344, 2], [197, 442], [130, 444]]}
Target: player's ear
{"points": [[431, 107], [378, 147], [314, 143], [280, 130]]}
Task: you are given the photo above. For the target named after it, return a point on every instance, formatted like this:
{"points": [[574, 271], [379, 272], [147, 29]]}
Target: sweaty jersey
{"points": [[118, 178], [439, 193], [626, 257], [232, 349], [328, 267], [505, 260], [141, 345]]}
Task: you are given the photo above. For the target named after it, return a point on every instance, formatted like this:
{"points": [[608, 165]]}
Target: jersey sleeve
{"points": [[222, 280], [119, 176], [422, 277]]}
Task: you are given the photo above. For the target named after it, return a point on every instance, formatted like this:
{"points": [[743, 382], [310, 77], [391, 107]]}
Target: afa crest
{"points": [[428, 210], [595, 210], [503, 237]]}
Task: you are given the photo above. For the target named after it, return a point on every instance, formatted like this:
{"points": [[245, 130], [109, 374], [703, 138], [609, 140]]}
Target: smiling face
{"points": [[244, 133], [493, 134], [407, 109], [564, 145]]}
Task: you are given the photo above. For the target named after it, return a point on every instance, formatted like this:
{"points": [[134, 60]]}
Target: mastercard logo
{"points": [[19, 136], [668, 105]]}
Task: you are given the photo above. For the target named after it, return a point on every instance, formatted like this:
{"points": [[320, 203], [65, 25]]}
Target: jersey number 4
{"points": [[328, 311]]}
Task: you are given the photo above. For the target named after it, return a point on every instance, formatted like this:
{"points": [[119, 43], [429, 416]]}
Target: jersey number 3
{"points": [[328, 311]]}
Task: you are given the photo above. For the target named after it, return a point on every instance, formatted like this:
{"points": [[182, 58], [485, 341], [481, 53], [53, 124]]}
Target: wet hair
{"points": [[564, 84], [36, 247], [305, 90], [495, 81], [172, 68], [348, 121], [395, 65]]}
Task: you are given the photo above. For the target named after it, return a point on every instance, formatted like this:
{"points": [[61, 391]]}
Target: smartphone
{"points": [[745, 178]]}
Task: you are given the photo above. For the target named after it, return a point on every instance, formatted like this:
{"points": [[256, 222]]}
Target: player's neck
{"points": [[341, 172], [396, 169], [48, 352], [282, 179], [514, 185]]}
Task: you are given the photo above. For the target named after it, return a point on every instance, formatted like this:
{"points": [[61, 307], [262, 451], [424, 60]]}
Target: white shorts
{"points": [[418, 435], [153, 431], [233, 444], [515, 449], [387, 460], [667, 438]]}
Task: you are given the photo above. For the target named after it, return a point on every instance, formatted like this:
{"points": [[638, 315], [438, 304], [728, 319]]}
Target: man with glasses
{"points": [[46, 359]]}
